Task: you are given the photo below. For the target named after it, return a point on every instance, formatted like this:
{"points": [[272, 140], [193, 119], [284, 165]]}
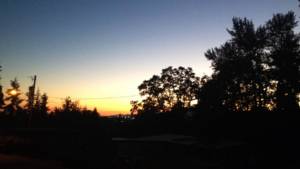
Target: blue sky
{"points": [[107, 48]]}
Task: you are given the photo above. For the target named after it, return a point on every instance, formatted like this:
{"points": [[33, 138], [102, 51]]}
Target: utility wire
{"points": [[95, 98]]}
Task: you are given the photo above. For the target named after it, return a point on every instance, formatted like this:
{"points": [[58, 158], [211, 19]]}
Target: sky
{"points": [[105, 49]]}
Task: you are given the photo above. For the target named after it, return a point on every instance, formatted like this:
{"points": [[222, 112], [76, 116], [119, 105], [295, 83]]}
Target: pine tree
{"points": [[37, 102], [13, 97], [1, 93], [43, 105], [1, 98]]}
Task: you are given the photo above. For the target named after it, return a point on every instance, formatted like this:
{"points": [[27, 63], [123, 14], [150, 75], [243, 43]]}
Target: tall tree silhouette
{"points": [[13, 97], [37, 101], [284, 59], [44, 105], [36, 109], [1, 93], [1, 98], [31, 96], [174, 88], [238, 67], [258, 68]]}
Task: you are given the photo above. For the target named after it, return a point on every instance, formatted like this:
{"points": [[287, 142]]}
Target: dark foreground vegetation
{"points": [[245, 115]]}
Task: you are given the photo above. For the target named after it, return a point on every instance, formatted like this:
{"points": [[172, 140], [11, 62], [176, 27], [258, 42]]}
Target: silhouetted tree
{"points": [[44, 105], [1, 93], [136, 107], [175, 87], [1, 98], [257, 69], [13, 97], [70, 106], [90, 114], [238, 67], [211, 95], [95, 111], [284, 60], [37, 102], [35, 116], [69, 112]]}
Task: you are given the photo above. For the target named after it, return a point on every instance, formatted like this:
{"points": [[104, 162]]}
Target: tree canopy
{"points": [[13, 97], [258, 68], [174, 88]]}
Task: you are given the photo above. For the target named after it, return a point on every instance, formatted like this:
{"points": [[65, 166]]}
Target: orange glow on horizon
{"points": [[106, 107], [103, 92]]}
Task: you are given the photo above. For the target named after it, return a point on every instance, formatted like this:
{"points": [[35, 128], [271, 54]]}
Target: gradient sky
{"points": [[101, 49]]}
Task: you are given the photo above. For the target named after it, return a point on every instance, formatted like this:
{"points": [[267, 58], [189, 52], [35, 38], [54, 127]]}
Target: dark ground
{"points": [[244, 142]]}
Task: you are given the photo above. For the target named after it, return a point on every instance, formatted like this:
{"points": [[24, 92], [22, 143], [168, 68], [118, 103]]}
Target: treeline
{"points": [[72, 135], [256, 70], [34, 111], [252, 95]]}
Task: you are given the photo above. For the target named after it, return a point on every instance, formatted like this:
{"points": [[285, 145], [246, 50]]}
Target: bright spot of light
{"points": [[13, 92]]}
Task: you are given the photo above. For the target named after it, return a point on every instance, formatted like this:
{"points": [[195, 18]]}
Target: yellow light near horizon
{"points": [[107, 96], [108, 107], [13, 92], [105, 107]]}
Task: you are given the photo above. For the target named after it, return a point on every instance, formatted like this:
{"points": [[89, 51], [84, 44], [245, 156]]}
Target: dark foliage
{"points": [[257, 69], [175, 88]]}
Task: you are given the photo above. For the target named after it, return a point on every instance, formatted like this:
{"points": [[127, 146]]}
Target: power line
{"points": [[95, 98]]}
